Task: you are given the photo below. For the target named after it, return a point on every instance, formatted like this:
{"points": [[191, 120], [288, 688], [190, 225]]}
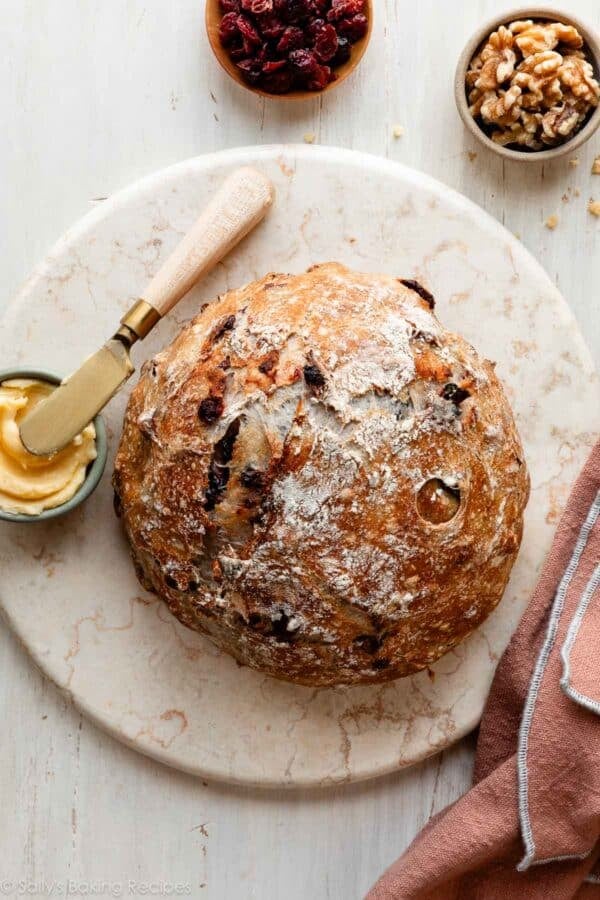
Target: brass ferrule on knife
{"points": [[138, 322]]}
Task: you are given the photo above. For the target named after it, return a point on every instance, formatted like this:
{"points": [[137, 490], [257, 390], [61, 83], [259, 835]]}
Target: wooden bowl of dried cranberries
{"points": [[289, 49]]}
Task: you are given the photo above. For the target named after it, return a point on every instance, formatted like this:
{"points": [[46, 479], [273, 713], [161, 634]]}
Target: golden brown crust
{"points": [[320, 478]]}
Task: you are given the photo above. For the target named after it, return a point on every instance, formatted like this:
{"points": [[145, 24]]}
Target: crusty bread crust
{"points": [[321, 479]]}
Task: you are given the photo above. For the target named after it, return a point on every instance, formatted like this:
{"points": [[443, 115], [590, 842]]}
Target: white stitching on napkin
{"points": [[565, 682], [534, 686]]}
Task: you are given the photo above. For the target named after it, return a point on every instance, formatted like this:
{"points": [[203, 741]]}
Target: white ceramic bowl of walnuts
{"points": [[527, 84]]}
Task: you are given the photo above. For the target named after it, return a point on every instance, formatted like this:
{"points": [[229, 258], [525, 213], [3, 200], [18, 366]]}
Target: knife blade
{"points": [[55, 422]]}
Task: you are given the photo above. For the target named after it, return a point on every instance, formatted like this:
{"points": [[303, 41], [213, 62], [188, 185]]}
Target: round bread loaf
{"points": [[320, 478]]}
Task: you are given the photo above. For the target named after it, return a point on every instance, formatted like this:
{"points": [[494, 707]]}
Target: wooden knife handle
{"points": [[238, 206]]}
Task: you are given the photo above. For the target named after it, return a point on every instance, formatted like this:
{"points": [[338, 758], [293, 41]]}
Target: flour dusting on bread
{"points": [[322, 479]]}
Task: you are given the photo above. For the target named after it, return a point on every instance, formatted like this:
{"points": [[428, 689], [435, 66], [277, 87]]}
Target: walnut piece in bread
{"points": [[320, 478]]}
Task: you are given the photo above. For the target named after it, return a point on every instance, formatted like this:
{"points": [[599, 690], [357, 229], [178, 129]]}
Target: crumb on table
{"points": [[310, 137], [574, 162], [594, 208], [398, 131], [552, 222], [596, 166], [472, 155]]}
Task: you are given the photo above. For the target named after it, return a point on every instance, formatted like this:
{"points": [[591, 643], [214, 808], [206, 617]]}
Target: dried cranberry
{"points": [[252, 479], [342, 9], [250, 70], [228, 29], [269, 363], [304, 62], [370, 643], [273, 65], [237, 52], [210, 409], [226, 324], [354, 28], [261, 57], [218, 472], [271, 27], [291, 39], [279, 82], [259, 623], [318, 7], [224, 447], [249, 33], [230, 6], [292, 11], [326, 43], [344, 51], [320, 78], [314, 376], [313, 27], [425, 295], [257, 7], [381, 663], [455, 393], [117, 504]]}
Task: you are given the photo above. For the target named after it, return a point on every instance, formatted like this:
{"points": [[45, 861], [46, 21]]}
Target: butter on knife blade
{"points": [[77, 400]]}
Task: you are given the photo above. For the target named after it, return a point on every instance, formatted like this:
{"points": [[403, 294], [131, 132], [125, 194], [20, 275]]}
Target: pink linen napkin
{"points": [[529, 827]]}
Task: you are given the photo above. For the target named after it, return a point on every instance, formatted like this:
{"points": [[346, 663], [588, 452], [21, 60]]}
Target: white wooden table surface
{"points": [[93, 96]]}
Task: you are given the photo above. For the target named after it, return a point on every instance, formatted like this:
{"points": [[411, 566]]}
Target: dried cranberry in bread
{"points": [[322, 479]]}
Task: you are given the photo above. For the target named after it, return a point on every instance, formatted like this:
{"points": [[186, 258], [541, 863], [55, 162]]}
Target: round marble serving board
{"points": [[67, 587]]}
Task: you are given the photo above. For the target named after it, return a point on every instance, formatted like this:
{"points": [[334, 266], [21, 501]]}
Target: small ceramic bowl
{"points": [[592, 46], [213, 16], [95, 468]]}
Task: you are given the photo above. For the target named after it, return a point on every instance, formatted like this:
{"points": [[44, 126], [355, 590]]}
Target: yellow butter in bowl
{"points": [[31, 484]]}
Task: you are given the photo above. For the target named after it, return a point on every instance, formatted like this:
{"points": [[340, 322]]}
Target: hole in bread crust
{"points": [[437, 502]]}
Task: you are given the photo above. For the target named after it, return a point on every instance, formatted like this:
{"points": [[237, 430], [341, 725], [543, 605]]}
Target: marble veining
{"points": [[67, 587]]}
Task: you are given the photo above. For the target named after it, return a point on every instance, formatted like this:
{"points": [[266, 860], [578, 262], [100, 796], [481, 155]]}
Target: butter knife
{"points": [[237, 207]]}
